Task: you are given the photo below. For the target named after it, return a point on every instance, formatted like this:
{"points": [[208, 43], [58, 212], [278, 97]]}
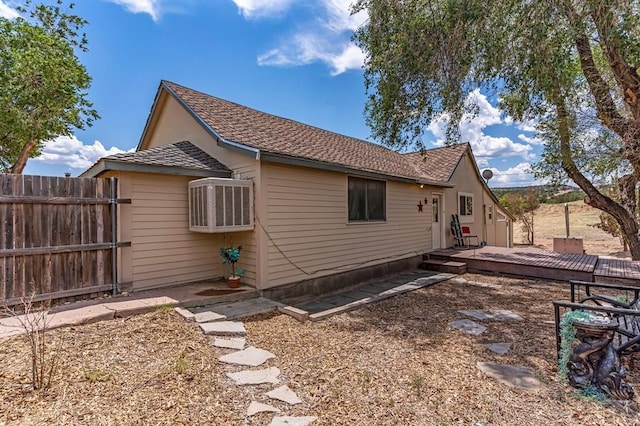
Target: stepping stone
{"points": [[255, 377], [209, 316], [251, 356], [541, 286], [504, 314], [479, 315], [257, 407], [292, 421], [458, 280], [224, 328], [486, 285], [283, 393], [499, 348], [510, 375], [185, 313], [246, 308], [230, 342], [468, 326]]}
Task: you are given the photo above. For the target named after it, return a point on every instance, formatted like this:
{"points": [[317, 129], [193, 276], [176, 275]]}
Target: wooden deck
{"points": [[617, 271], [537, 263]]}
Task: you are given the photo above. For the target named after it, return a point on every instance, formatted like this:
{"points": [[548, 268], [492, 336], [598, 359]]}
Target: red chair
{"points": [[466, 234]]}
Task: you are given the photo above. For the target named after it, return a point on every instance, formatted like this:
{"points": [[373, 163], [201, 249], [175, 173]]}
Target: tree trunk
{"points": [[627, 221], [627, 190], [21, 162]]}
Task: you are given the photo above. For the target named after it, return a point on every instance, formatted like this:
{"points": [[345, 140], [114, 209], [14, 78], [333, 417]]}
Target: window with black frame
{"points": [[367, 200]]}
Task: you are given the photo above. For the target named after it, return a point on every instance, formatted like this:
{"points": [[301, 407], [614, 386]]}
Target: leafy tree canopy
{"points": [[568, 66], [43, 85]]}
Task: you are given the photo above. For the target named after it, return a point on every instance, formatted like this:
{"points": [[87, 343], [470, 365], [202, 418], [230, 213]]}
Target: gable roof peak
{"points": [[275, 138]]}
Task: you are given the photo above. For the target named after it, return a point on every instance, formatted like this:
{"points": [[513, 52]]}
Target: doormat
{"points": [[216, 292]]}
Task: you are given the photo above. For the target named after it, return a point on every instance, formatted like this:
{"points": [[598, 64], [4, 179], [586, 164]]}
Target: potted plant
{"points": [[230, 256]]}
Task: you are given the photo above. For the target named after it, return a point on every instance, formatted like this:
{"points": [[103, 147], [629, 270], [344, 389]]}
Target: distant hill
{"points": [[550, 194]]}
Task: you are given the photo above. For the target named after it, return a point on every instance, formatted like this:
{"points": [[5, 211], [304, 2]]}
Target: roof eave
{"points": [[152, 114], [106, 165], [333, 167], [238, 147]]}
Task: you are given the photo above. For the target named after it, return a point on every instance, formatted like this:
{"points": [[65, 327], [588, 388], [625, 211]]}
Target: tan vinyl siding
{"points": [[174, 124], [466, 180], [307, 217], [164, 251], [161, 230]]}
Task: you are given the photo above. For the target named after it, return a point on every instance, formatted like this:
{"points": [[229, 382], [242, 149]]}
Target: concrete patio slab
{"points": [[127, 308], [85, 315], [243, 308], [251, 356]]}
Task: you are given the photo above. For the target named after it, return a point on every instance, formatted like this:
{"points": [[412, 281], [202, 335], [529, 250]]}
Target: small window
{"points": [[465, 204], [490, 214], [367, 200]]}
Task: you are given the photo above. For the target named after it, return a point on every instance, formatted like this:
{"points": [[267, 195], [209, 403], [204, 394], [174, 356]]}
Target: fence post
{"points": [[113, 202]]}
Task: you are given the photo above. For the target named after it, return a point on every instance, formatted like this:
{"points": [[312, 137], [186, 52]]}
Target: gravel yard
{"points": [[394, 362]]}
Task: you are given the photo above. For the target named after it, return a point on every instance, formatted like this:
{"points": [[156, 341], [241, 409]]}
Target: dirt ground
{"points": [[394, 362], [549, 222]]}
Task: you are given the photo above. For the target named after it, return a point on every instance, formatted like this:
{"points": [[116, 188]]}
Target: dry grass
{"points": [[392, 363], [549, 222]]}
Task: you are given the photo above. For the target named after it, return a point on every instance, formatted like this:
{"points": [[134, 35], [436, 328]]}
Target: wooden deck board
{"points": [[526, 262], [621, 271]]}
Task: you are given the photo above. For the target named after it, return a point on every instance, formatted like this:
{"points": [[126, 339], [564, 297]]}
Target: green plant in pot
{"points": [[230, 256]]}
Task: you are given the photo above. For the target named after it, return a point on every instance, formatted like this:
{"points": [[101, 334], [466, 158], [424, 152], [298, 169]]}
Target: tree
{"points": [[569, 66], [43, 85], [523, 207]]}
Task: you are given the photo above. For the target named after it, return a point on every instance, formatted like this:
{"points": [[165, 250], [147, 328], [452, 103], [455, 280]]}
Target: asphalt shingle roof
{"points": [[180, 154], [278, 135], [439, 163]]}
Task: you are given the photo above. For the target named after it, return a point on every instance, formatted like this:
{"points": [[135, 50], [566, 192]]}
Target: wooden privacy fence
{"points": [[58, 237]]}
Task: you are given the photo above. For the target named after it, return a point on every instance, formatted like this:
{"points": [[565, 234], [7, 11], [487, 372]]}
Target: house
{"points": [[324, 209]]}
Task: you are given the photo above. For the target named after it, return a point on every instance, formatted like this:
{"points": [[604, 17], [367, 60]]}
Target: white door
{"points": [[436, 218]]}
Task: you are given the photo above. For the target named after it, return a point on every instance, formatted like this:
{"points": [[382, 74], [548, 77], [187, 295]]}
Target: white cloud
{"points": [[472, 130], [518, 175], [532, 140], [70, 151], [325, 37], [262, 8], [6, 11], [351, 57], [151, 7]]}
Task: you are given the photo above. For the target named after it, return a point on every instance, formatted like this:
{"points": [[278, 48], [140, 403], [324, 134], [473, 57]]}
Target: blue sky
{"points": [[292, 58]]}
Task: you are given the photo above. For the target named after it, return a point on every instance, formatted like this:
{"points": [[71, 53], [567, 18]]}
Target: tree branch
{"points": [[626, 76], [605, 105]]}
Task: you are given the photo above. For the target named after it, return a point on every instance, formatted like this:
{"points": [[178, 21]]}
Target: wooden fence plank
{"points": [[55, 236]]}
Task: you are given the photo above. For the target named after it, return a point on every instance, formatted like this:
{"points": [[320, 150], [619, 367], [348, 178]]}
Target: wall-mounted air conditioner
{"points": [[220, 205]]}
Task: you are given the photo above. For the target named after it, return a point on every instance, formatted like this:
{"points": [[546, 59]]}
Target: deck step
{"points": [[444, 266]]}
